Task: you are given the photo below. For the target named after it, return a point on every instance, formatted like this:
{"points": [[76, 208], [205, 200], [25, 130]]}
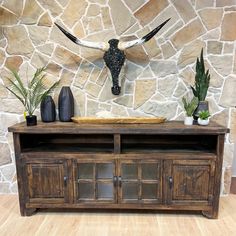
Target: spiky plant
{"points": [[190, 106], [204, 114], [202, 79], [33, 93]]}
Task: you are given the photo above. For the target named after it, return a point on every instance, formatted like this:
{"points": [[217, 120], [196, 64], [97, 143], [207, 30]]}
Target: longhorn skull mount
{"points": [[114, 55]]}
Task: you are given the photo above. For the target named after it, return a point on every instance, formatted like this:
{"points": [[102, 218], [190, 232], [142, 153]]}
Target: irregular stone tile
{"points": [[15, 6], [7, 17], [212, 34], [228, 155], [137, 55], [83, 74], [227, 179], [39, 60], [14, 188], [95, 74], [45, 20], [94, 24], [8, 172], [163, 68], [134, 5], [122, 19], [31, 12], [126, 100], [159, 98], [4, 187], [211, 17], [66, 78], [12, 106], [133, 29], [119, 111], [150, 10], [185, 9], [172, 30], [92, 108], [234, 65], [102, 77], [66, 58], [132, 71], [169, 12], [101, 2], [228, 98], [144, 89], [147, 73], [15, 46], [167, 86], [129, 87], [104, 106], [190, 31], [93, 89], [221, 118], [79, 100], [190, 53], [228, 48], [204, 3], [63, 2], [165, 109], [233, 8], [74, 11], [226, 30], [46, 48], [79, 30], [52, 6], [232, 135], [222, 64], [167, 50], [180, 90], [135, 113], [213, 107], [93, 10], [5, 154], [106, 18], [3, 92], [223, 3], [188, 76], [214, 47], [3, 42], [38, 35], [53, 69], [14, 62], [2, 56]]}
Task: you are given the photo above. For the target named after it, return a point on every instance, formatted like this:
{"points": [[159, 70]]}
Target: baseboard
{"points": [[233, 185]]}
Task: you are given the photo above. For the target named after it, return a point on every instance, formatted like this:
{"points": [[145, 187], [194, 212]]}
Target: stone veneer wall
{"points": [[155, 76]]}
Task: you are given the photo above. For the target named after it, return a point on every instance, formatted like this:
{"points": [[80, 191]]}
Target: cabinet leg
{"points": [[210, 214], [27, 211]]}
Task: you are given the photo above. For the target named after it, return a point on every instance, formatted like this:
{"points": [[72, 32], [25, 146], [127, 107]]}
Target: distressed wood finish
{"points": [[146, 166]]}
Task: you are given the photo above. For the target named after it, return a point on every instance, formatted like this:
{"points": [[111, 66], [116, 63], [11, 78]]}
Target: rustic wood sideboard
{"points": [[165, 166]]}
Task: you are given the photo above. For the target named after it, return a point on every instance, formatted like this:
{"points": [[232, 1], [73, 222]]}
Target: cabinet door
{"points": [[140, 181], [190, 181], [95, 181], [47, 182]]}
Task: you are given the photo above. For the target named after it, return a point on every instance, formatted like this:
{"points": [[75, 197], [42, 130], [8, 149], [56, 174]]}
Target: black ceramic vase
{"points": [[48, 109], [31, 120], [65, 104]]}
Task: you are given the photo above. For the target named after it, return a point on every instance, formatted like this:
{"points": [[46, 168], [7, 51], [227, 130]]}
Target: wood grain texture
{"points": [[115, 223]]}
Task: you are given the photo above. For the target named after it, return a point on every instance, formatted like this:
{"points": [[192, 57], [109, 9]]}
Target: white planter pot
{"points": [[188, 120], [203, 122]]}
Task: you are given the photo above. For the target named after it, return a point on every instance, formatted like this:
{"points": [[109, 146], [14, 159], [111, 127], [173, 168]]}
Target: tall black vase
{"points": [[48, 109], [65, 104]]}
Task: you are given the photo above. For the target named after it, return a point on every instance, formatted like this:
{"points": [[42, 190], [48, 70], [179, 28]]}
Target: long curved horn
{"points": [[129, 44], [97, 45]]}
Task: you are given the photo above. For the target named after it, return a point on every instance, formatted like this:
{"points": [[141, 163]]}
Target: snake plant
{"points": [[33, 93], [190, 106]]}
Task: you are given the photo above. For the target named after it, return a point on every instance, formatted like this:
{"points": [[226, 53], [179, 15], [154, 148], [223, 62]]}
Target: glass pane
{"points": [[129, 171], [86, 190], [105, 171], [105, 190], [149, 171], [85, 171], [149, 191], [130, 190]]}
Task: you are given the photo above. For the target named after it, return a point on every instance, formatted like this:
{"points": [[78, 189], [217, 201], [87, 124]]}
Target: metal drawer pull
{"points": [[170, 182], [120, 181]]}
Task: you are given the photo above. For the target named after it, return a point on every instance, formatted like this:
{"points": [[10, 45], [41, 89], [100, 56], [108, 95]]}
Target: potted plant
{"points": [[32, 94], [202, 80], [189, 107], [203, 117]]}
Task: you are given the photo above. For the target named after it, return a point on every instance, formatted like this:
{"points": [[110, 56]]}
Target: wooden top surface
{"points": [[169, 127]]}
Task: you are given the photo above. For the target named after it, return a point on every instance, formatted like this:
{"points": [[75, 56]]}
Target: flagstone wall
{"points": [[155, 78]]}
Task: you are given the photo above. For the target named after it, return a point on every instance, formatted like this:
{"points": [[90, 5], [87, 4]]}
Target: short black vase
{"points": [[48, 109], [31, 120], [65, 104]]}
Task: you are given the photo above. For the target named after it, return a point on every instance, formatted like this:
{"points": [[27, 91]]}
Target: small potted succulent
{"points": [[202, 81], [189, 107], [31, 94], [203, 117]]}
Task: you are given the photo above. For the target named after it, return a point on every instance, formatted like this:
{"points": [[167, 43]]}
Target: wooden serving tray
{"points": [[118, 120]]}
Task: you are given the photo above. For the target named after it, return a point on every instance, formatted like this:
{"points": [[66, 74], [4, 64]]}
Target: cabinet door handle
{"points": [[170, 182], [65, 180], [115, 179], [120, 181]]}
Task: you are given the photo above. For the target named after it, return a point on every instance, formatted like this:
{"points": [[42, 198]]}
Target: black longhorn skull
{"points": [[114, 55]]}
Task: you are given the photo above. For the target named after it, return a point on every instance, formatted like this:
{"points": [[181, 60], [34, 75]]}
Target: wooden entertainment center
{"points": [[166, 166]]}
